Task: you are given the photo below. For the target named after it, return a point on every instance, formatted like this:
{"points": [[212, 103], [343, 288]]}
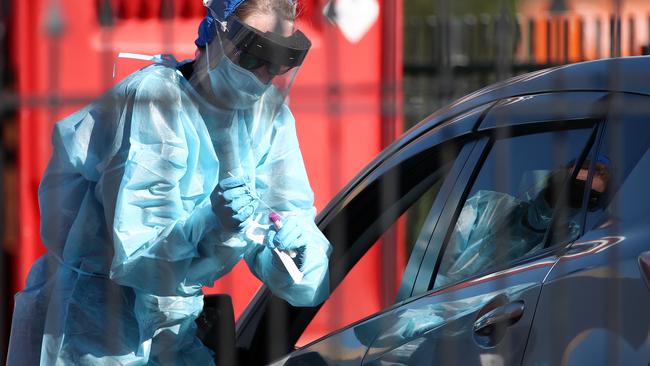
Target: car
{"points": [[524, 208]]}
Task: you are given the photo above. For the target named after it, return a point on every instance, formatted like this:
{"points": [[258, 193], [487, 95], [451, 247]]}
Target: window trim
{"points": [[548, 107], [596, 148], [618, 114], [421, 245], [433, 247]]}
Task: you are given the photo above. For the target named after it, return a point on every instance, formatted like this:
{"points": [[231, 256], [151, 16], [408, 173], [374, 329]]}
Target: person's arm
{"points": [[282, 184], [472, 246], [154, 233]]}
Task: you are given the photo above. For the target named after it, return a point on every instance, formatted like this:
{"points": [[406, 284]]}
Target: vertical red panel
{"points": [[393, 251], [25, 50], [367, 117], [149, 9]]}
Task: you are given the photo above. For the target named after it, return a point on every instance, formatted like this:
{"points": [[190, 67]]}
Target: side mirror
{"points": [[216, 328]]}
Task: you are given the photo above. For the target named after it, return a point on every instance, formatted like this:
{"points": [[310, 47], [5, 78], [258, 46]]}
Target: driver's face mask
{"points": [[572, 201], [595, 198]]}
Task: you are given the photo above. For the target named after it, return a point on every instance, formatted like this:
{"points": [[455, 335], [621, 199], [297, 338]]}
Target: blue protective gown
{"points": [[131, 235]]}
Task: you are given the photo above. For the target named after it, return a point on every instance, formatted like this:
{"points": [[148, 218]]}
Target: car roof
{"points": [[606, 75]]}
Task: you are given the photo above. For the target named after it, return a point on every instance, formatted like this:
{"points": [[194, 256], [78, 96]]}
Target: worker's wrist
{"points": [[282, 278]]}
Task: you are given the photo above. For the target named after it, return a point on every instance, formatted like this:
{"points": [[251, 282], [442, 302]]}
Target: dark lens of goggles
{"points": [[251, 62]]}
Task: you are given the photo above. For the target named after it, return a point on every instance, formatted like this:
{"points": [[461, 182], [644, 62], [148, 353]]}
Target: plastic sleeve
{"points": [[154, 235]]}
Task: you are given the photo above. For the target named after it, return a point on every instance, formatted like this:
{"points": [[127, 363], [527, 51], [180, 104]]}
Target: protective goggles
{"points": [[256, 49]]}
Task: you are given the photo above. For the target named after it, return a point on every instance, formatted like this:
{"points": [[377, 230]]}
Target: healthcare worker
{"points": [[153, 191]]}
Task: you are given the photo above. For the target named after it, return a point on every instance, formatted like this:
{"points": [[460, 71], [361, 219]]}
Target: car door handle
{"points": [[505, 315]]}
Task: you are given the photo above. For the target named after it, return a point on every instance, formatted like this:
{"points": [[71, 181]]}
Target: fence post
{"points": [[614, 36], [631, 31]]}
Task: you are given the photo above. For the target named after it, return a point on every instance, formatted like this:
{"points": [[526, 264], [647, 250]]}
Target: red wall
{"points": [[336, 97]]}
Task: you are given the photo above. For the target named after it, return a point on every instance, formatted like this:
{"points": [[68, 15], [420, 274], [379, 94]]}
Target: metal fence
{"points": [[444, 59], [448, 57]]}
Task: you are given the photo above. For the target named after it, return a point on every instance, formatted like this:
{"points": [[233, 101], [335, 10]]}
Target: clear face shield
{"points": [[254, 61], [251, 65], [243, 77]]}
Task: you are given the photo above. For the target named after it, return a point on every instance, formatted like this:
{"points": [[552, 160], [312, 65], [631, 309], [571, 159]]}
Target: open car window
{"points": [[526, 185]]}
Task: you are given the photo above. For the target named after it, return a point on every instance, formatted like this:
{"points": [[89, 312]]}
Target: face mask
{"points": [[234, 86]]}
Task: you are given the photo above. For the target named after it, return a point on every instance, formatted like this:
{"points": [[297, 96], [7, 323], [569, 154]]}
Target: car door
{"points": [[594, 308], [393, 206], [496, 241]]}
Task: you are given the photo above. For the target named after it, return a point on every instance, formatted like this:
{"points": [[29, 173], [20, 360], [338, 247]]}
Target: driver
{"points": [[495, 227]]}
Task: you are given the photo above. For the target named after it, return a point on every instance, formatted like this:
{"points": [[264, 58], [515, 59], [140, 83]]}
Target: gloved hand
{"points": [[287, 238], [233, 202], [300, 234], [290, 239]]}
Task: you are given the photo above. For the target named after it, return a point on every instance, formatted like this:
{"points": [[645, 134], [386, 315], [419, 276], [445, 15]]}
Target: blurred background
{"points": [[376, 68]]}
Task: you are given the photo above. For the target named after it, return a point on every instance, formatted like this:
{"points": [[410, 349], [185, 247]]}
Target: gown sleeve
{"points": [[282, 183], [155, 235]]}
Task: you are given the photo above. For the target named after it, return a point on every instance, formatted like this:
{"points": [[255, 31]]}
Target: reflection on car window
{"points": [[626, 163], [376, 276], [512, 202]]}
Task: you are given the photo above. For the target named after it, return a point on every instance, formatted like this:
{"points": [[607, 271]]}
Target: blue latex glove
{"points": [[299, 234], [288, 238], [233, 202]]}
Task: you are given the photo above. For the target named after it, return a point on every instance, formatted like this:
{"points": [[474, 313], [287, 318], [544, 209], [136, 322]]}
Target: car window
{"points": [[621, 173], [511, 203], [361, 293]]}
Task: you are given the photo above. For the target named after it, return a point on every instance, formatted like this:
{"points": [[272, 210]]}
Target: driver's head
{"points": [[599, 184]]}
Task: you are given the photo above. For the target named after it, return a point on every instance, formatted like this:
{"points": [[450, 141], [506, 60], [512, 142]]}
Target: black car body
{"points": [[579, 295]]}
